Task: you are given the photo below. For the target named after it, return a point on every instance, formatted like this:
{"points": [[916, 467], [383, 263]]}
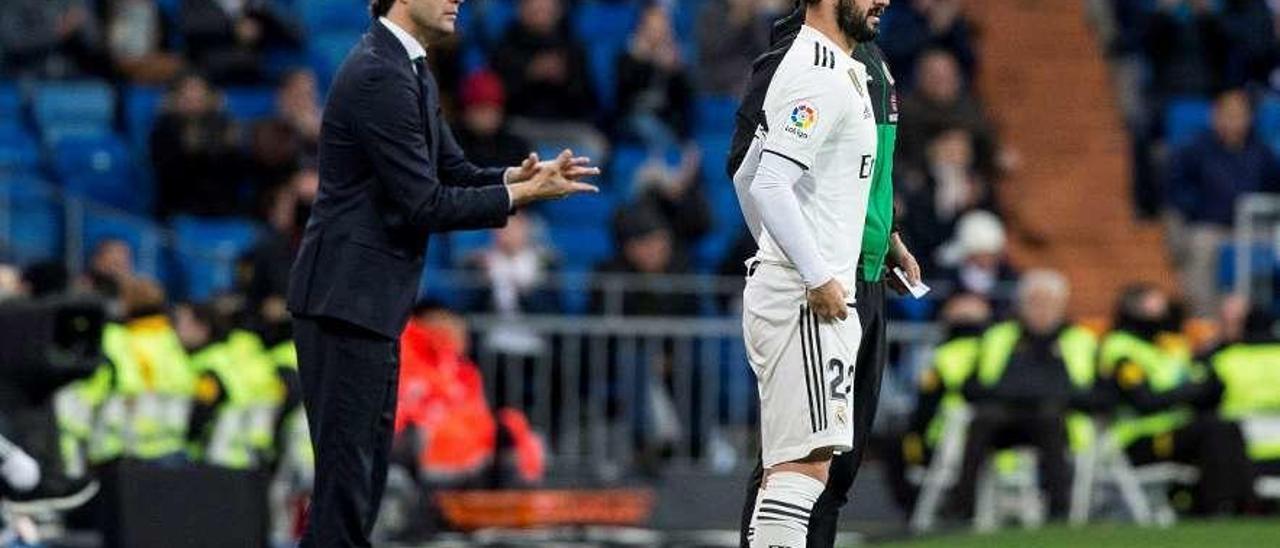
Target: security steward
{"points": [[1031, 373], [1149, 367], [1246, 377], [148, 402], [939, 390]]}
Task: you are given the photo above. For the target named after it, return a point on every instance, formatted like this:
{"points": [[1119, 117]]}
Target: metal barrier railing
{"points": [[1257, 228], [617, 393], [70, 216]]}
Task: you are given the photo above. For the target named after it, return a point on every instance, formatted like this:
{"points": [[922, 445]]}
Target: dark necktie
{"points": [[424, 85]]}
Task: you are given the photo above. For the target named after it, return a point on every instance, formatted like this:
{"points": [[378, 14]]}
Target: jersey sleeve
{"points": [[808, 107]]}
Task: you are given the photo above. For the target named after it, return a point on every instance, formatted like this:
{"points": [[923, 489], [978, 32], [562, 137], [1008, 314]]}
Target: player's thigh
{"points": [[806, 389]]}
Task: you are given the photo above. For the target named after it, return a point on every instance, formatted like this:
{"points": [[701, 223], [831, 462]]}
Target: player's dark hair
{"points": [[379, 8]]}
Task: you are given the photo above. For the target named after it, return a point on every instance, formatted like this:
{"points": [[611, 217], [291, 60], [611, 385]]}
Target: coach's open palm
{"points": [[554, 179]]}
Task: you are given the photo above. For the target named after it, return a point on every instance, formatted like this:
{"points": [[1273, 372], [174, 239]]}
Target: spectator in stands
{"points": [[516, 269], [917, 26], [484, 133], [654, 93], [226, 39], [934, 199], [1205, 180], [110, 266], [545, 72], [1254, 29], [1188, 46], [676, 195], [135, 39], [265, 269], [646, 247], [286, 144], [975, 260], [941, 102], [50, 39], [195, 149], [298, 104], [731, 34]]}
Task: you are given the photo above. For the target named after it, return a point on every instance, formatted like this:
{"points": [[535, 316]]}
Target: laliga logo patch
{"points": [[803, 118]]}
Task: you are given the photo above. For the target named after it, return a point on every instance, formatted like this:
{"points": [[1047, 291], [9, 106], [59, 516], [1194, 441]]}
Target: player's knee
{"points": [[816, 465]]}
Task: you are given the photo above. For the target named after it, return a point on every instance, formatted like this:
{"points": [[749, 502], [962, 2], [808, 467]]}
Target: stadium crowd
{"points": [[647, 89]]}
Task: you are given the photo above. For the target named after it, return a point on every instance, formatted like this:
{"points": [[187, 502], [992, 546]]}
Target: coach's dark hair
{"points": [[379, 8]]}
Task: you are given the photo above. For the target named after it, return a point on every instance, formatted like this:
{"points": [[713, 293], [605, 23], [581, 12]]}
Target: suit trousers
{"points": [[350, 377], [873, 353]]}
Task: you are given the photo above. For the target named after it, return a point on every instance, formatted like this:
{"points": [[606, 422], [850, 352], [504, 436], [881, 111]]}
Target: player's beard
{"points": [[854, 23]]}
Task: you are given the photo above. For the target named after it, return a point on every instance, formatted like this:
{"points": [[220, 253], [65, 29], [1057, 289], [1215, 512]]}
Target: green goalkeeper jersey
{"points": [[879, 223]]}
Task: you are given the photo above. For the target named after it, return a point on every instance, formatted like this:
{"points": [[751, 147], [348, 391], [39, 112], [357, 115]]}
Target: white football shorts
{"points": [[804, 366]]}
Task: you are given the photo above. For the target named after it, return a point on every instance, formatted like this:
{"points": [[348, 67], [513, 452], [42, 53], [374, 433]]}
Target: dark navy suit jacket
{"points": [[390, 174]]}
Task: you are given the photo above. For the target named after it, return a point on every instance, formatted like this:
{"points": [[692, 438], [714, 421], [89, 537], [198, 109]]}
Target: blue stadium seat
{"points": [[580, 211], [141, 106], [623, 163], [602, 63], [250, 102], [714, 114], [604, 29], [143, 236], [73, 108], [463, 244], [208, 249], [1268, 121], [327, 51], [581, 247], [34, 219], [100, 168], [487, 20], [574, 297], [1262, 261], [1186, 118], [278, 61], [19, 150], [10, 101], [334, 15]]}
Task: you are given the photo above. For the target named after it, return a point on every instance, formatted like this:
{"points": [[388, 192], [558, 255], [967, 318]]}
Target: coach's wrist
{"points": [[521, 194]]}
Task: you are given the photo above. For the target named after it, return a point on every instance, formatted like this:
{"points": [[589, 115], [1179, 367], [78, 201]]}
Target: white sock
{"points": [[781, 519]]}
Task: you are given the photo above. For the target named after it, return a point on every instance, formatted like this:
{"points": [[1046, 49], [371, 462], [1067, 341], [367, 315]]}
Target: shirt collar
{"points": [[411, 44], [816, 34]]}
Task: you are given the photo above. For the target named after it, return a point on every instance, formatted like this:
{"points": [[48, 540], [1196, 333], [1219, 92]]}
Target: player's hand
{"points": [[550, 183], [574, 167], [901, 257], [828, 301]]}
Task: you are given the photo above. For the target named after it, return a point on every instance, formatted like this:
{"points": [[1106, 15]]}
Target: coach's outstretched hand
{"points": [[828, 301], [535, 181], [574, 167]]}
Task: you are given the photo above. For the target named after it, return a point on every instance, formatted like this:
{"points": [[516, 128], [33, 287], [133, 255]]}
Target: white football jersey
{"points": [[819, 115]]}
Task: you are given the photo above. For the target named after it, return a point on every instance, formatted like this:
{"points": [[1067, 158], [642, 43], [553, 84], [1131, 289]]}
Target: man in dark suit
{"points": [[390, 174]]}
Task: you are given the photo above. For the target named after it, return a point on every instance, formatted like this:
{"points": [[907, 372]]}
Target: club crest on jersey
{"points": [[857, 82], [803, 118]]}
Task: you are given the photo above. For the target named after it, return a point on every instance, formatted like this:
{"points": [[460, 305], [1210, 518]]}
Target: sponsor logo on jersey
{"points": [[803, 118]]}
